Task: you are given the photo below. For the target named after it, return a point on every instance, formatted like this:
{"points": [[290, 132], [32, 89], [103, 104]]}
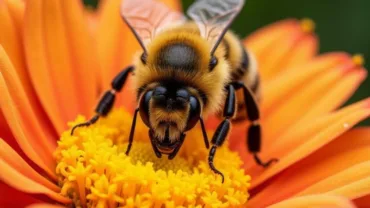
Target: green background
{"points": [[342, 25]]}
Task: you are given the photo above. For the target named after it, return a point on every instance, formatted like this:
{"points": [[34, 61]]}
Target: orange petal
{"points": [[83, 54], [319, 133], [348, 154], [39, 68], [92, 17], [277, 58], [21, 119], [15, 161], [8, 136], [16, 8], [280, 46], [58, 54], [109, 41], [336, 96], [316, 92], [116, 47], [261, 39], [11, 21], [61, 59], [352, 183], [11, 40], [11, 197], [315, 201], [284, 85], [45, 206], [362, 202], [302, 52], [19, 181], [296, 136], [5, 130]]}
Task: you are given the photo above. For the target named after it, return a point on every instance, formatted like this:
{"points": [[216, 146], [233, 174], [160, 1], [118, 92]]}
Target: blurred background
{"points": [[340, 24]]}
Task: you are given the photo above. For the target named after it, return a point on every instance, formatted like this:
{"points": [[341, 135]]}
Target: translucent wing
{"points": [[214, 17], [146, 18]]}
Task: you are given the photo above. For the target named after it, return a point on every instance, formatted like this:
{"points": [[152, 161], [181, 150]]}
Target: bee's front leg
{"points": [[107, 101]]}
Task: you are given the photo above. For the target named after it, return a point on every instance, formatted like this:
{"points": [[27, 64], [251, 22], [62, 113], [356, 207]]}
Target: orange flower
{"points": [[51, 70]]}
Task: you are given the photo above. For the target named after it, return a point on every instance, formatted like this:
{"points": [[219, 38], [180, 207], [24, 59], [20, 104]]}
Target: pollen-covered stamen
{"points": [[308, 25], [94, 170]]}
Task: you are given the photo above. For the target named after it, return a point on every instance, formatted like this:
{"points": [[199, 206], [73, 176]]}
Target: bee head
{"points": [[169, 111]]}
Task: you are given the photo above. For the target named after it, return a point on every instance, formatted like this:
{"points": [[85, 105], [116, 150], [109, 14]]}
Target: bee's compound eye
{"points": [[144, 57], [212, 63], [183, 94], [194, 113], [160, 90], [144, 107]]}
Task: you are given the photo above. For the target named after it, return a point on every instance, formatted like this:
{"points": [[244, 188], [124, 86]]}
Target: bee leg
{"points": [[254, 130], [132, 132], [176, 150], [205, 137], [88, 123], [223, 128], [155, 148], [106, 102]]}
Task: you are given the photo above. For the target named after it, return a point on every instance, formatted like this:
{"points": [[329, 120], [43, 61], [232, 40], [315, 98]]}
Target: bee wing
{"points": [[146, 18], [213, 18]]}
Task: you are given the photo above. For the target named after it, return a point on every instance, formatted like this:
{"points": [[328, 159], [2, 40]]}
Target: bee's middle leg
{"points": [[254, 130]]}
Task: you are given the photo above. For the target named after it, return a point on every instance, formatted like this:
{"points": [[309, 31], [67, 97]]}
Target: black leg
{"points": [[88, 123], [156, 150], [132, 132], [264, 164], [205, 137], [106, 102], [223, 128], [176, 150], [212, 153], [254, 130]]}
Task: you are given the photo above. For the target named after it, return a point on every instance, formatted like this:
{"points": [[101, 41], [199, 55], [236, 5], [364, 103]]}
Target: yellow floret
{"points": [[94, 171]]}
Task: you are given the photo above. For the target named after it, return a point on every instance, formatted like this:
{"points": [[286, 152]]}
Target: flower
{"points": [[53, 66]]}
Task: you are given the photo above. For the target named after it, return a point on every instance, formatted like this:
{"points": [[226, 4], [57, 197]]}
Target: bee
{"points": [[187, 70]]}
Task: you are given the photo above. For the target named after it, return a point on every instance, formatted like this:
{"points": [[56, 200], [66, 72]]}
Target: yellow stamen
{"points": [[358, 59], [94, 171], [308, 25]]}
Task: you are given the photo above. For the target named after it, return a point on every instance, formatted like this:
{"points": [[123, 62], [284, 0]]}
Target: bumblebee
{"points": [[187, 70]]}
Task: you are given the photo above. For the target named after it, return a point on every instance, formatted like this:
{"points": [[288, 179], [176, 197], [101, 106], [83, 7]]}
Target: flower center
{"points": [[93, 169]]}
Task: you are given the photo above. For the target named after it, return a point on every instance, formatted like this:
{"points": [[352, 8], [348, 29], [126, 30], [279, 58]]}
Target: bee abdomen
{"points": [[238, 73]]}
